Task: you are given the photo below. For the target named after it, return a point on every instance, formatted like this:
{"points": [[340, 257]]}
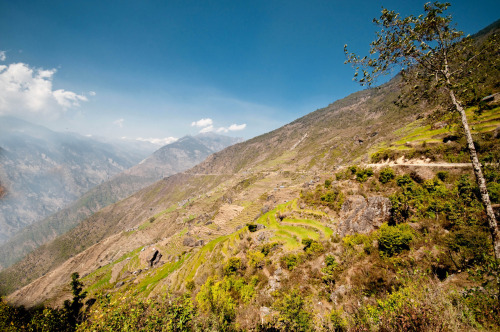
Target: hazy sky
{"points": [[160, 69]]}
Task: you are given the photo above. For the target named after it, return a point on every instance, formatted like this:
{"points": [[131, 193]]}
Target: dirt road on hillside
{"points": [[422, 164]]}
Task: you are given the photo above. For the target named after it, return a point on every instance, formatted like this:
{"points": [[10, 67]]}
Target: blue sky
{"points": [[154, 69]]}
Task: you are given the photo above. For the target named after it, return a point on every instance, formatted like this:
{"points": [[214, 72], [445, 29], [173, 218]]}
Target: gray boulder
{"points": [[361, 215], [192, 242]]}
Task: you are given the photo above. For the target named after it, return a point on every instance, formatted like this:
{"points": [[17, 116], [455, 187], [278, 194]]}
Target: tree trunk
{"points": [[481, 182]]}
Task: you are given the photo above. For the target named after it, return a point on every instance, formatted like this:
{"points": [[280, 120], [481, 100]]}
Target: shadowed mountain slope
{"points": [[43, 170], [169, 159]]}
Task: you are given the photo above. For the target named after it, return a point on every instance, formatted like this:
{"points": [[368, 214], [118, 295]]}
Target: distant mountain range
{"points": [[42, 171], [179, 156], [169, 159]]}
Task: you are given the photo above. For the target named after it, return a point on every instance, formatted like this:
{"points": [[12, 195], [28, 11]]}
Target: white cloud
{"points": [[119, 122], [68, 99], [158, 141], [27, 92], [202, 123], [235, 127], [207, 129], [207, 126], [3, 57], [92, 93]]}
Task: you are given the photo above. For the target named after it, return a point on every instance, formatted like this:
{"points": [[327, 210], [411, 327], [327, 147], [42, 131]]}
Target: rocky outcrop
{"points": [[192, 242], [154, 259], [361, 215]]}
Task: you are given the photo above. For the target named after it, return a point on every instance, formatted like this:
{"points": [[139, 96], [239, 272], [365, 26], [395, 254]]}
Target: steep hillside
{"points": [[43, 171], [341, 133], [179, 156], [170, 159], [233, 185], [362, 216]]}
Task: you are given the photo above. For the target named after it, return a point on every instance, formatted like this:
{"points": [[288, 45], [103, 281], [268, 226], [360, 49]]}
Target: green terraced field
{"points": [[418, 133], [290, 231]]}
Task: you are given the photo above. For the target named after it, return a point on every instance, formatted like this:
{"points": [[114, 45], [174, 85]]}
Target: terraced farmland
{"points": [[418, 133]]}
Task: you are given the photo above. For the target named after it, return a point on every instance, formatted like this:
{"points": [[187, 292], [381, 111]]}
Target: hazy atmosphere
{"points": [[158, 70]]}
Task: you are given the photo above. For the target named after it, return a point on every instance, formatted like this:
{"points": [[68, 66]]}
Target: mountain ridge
{"points": [[43, 170], [167, 160]]}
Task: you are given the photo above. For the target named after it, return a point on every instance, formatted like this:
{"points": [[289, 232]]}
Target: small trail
{"points": [[300, 141], [423, 165], [207, 174]]}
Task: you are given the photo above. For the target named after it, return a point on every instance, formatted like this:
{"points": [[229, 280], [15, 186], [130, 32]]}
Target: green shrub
{"points": [[408, 201], [333, 198], [190, 285], [215, 298], [469, 245], [246, 289], [384, 155], [130, 313], [339, 324], [328, 183], [294, 312], [233, 266], [312, 247], [252, 227], [484, 306], [494, 192], [268, 247], [442, 175], [330, 270], [403, 180], [291, 261], [393, 240], [48, 319], [255, 259], [350, 241], [466, 190], [352, 169], [386, 175], [362, 174], [342, 175]]}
